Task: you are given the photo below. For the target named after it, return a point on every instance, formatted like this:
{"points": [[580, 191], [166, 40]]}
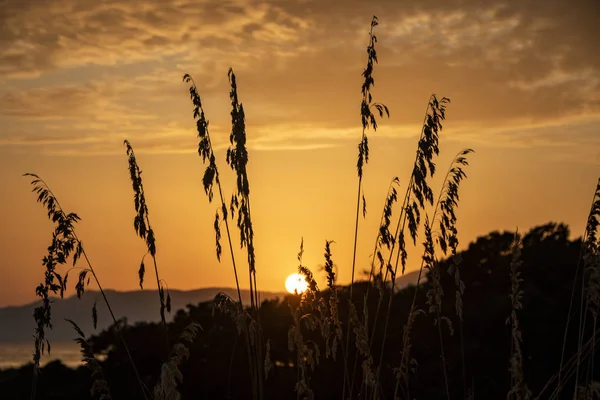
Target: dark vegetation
{"points": [[216, 365]]}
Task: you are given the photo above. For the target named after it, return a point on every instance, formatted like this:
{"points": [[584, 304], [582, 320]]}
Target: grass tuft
{"points": [[100, 389], [170, 375]]}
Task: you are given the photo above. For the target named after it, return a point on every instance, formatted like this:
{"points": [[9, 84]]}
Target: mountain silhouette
{"points": [[17, 323]]}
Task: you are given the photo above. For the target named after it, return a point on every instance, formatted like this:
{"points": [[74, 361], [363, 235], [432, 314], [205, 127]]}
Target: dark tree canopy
{"points": [[217, 367]]}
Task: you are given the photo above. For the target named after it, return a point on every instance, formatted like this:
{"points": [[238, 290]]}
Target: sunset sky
{"points": [[77, 77]]}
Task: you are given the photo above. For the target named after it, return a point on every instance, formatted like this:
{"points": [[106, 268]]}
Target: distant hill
{"points": [[409, 278], [17, 323]]}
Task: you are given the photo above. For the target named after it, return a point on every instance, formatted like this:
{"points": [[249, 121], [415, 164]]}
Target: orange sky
{"points": [[78, 77]]}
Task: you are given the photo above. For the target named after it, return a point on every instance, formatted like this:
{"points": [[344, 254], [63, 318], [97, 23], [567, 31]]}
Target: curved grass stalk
{"points": [[141, 224], [384, 238], [589, 250], [446, 202], [65, 241], [211, 174], [569, 367], [589, 236], [417, 187], [100, 386], [428, 141]]}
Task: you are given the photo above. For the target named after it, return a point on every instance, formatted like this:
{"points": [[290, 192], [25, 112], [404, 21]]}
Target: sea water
{"points": [[14, 355]]}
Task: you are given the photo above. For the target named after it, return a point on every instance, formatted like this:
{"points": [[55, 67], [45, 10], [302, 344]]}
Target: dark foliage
{"points": [[216, 367]]}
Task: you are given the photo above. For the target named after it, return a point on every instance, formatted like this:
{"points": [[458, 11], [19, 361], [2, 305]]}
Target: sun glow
{"points": [[296, 283]]}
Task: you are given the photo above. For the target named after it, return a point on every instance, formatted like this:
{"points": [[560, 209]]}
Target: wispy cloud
{"points": [[517, 72]]}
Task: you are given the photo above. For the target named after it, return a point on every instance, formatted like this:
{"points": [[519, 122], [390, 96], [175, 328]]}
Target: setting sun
{"points": [[295, 283]]}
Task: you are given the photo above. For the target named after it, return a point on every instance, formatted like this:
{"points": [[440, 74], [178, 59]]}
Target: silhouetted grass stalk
{"points": [[141, 224], [417, 192], [518, 390], [434, 296], [334, 318], [237, 158], [100, 386], [306, 357], [64, 242], [589, 256], [170, 374], [426, 147], [569, 367], [447, 237], [592, 268], [588, 236], [211, 174], [383, 238], [367, 120]]}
